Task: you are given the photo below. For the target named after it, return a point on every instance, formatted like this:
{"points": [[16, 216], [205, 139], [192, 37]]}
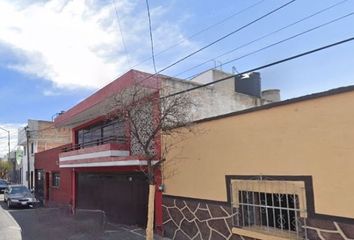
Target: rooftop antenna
{"points": [[57, 114], [234, 70], [219, 65]]}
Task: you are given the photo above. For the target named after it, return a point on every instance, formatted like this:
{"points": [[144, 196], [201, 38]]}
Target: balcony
{"points": [[108, 151]]}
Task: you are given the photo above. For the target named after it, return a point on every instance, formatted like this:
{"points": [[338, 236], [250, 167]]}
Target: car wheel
{"points": [[9, 204]]}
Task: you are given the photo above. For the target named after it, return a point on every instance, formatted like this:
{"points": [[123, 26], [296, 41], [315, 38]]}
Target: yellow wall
{"points": [[313, 137]]}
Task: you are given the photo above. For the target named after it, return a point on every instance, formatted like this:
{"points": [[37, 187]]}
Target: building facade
{"points": [[104, 157], [38, 136], [279, 171], [15, 159], [230, 95], [53, 184]]}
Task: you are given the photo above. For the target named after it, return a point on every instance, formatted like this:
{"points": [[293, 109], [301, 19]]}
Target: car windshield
{"points": [[3, 182], [21, 189]]}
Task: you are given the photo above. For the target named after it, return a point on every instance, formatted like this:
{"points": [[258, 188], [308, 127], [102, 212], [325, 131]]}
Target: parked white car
{"points": [[19, 195]]}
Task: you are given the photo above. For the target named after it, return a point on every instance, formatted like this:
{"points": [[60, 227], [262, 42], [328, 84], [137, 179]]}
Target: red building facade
{"points": [[53, 184], [101, 168]]}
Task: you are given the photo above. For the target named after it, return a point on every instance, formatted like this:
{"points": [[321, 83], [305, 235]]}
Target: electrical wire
{"points": [[264, 66], [252, 70], [225, 36], [120, 29], [151, 38], [264, 36], [220, 39], [202, 31], [277, 43]]}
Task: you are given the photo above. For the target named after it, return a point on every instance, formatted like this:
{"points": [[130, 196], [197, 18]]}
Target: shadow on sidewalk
{"points": [[60, 224]]}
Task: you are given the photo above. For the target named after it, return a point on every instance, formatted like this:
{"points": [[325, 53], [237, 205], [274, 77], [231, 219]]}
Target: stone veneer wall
{"points": [[323, 230], [187, 219]]}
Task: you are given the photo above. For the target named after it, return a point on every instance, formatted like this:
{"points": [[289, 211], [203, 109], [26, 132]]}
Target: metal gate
{"points": [[122, 196]]}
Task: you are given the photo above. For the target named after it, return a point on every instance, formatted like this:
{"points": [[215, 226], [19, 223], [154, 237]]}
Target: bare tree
{"points": [[151, 115], [5, 167]]}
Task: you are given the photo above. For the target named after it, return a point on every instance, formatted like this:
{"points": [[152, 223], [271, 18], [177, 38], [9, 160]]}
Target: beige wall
{"points": [[313, 137], [212, 100], [50, 137]]}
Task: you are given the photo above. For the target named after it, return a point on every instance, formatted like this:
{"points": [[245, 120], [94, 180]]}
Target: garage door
{"points": [[122, 196]]}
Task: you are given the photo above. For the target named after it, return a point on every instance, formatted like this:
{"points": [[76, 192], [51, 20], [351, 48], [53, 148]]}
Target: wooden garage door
{"points": [[122, 196]]}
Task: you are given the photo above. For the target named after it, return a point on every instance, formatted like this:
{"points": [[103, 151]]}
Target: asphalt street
{"points": [[60, 224]]}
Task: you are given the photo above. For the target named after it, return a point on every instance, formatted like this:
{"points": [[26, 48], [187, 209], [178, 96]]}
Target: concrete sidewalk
{"points": [[9, 228]]}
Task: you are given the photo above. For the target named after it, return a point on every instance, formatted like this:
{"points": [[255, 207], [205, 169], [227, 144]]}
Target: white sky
{"points": [[4, 137], [78, 43]]}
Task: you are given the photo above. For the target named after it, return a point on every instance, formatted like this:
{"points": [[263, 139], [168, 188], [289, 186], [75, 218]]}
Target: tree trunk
{"points": [[151, 213]]}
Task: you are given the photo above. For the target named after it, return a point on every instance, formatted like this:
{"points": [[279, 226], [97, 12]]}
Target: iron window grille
{"points": [[272, 207]]}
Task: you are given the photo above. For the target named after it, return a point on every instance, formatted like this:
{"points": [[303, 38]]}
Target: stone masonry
{"points": [[328, 230], [186, 219]]}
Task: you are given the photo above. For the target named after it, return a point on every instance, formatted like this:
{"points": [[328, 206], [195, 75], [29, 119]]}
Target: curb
{"points": [[13, 232], [12, 220]]}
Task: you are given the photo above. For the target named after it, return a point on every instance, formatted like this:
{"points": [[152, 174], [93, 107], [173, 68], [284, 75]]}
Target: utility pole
{"points": [[28, 158], [8, 138], [8, 144]]}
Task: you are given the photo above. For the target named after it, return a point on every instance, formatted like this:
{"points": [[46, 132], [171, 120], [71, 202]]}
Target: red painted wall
{"points": [[127, 79], [49, 162], [46, 160], [66, 193]]}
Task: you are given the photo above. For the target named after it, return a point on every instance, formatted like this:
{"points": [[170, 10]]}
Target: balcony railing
{"points": [[96, 142]]}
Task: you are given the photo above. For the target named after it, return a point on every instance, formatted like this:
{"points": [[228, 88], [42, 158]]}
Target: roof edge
{"points": [[312, 96]]}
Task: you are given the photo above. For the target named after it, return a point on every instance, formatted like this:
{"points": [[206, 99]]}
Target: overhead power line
{"points": [[202, 30], [263, 37], [264, 66], [120, 29], [227, 35], [151, 38], [278, 42], [220, 39], [254, 69]]}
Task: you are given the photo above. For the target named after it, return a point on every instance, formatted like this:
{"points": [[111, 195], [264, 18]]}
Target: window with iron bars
{"points": [[273, 208]]}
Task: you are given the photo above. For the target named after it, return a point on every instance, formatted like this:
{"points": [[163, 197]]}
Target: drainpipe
{"points": [[73, 191]]}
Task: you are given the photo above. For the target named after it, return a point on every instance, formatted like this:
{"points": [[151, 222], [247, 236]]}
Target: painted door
{"points": [[39, 182], [123, 197]]}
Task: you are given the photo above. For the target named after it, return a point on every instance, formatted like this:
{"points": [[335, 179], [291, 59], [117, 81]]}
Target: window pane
{"points": [[275, 210], [100, 133], [55, 179], [107, 131], [80, 137]]}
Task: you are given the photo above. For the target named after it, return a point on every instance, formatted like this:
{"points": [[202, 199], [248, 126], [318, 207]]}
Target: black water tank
{"points": [[250, 85]]}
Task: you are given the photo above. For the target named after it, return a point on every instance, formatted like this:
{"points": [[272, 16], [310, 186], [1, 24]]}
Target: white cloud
{"points": [[78, 43], [13, 128], [50, 93]]}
